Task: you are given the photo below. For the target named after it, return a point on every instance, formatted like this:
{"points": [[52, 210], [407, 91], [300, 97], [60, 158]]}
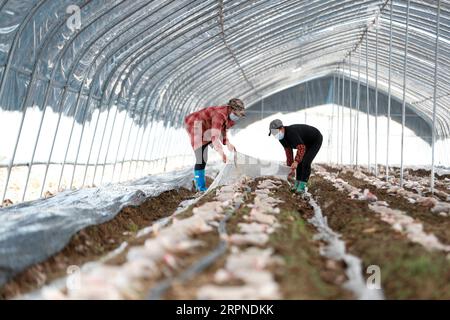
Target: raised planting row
{"points": [[413, 261], [273, 252], [249, 240], [432, 213], [96, 242]]}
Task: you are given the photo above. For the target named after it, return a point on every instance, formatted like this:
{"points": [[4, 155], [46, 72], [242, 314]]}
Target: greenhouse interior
{"points": [[225, 150]]}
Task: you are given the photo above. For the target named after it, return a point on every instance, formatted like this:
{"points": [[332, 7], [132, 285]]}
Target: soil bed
{"points": [[408, 271], [96, 241], [305, 274], [432, 222]]}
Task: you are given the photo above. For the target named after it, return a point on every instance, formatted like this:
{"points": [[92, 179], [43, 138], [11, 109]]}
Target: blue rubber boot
{"points": [[200, 180]]}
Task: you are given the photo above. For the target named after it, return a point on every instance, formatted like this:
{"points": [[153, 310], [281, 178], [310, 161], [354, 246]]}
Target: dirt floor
{"points": [[94, 242], [184, 261], [305, 273], [432, 222], [408, 271]]}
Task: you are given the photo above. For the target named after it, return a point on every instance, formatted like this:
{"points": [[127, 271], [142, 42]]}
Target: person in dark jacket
{"points": [[307, 140]]}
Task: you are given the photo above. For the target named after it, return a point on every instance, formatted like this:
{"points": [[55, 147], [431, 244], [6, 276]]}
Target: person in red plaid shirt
{"points": [[209, 127]]}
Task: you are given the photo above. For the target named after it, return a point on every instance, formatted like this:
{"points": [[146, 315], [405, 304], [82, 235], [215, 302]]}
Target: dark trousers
{"points": [[304, 168], [201, 157]]}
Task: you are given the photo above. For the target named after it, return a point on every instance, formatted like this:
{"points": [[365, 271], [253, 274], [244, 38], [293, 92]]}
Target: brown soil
{"points": [[408, 271], [305, 274], [434, 223], [211, 240], [94, 242], [121, 257], [427, 173]]}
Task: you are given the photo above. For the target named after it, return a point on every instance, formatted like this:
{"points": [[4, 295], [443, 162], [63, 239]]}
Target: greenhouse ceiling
{"points": [[164, 59]]}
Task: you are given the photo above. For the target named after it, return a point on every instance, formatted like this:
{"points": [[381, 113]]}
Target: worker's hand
{"points": [[291, 175], [224, 158], [294, 165], [231, 148]]}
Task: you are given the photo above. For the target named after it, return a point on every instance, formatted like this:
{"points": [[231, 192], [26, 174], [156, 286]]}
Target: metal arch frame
{"points": [[217, 74], [114, 88], [64, 94], [49, 87], [26, 99], [368, 104], [351, 106], [181, 106], [135, 84], [81, 88], [89, 97], [339, 94], [376, 98], [389, 94], [358, 104], [11, 52], [123, 32], [342, 110], [405, 69], [436, 59], [117, 66]]}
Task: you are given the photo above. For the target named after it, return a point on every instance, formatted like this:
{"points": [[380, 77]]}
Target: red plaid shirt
{"points": [[208, 125], [301, 149]]}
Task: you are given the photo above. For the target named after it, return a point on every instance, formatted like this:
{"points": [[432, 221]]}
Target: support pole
{"points": [[330, 131], [358, 103], [350, 106], [405, 66], [389, 94], [338, 116], [433, 131], [342, 112], [367, 102], [306, 98], [376, 98]]}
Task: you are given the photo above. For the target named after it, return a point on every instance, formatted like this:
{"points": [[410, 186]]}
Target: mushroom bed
{"points": [[353, 235]]}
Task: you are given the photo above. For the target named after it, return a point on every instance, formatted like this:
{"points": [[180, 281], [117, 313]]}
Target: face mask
{"points": [[279, 135], [234, 117]]}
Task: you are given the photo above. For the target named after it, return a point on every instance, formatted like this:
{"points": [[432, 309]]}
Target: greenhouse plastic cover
{"points": [[229, 174], [164, 59], [31, 232]]}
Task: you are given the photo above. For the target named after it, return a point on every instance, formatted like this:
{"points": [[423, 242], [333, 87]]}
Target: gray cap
{"points": [[275, 124]]}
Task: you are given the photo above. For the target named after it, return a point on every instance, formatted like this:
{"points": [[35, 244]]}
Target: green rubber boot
{"points": [[301, 187], [295, 186]]}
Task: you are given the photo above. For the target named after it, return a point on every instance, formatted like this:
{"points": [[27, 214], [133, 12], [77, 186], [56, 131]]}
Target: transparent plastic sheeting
{"points": [[334, 249], [322, 91], [150, 57], [246, 165], [154, 62], [31, 232]]}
